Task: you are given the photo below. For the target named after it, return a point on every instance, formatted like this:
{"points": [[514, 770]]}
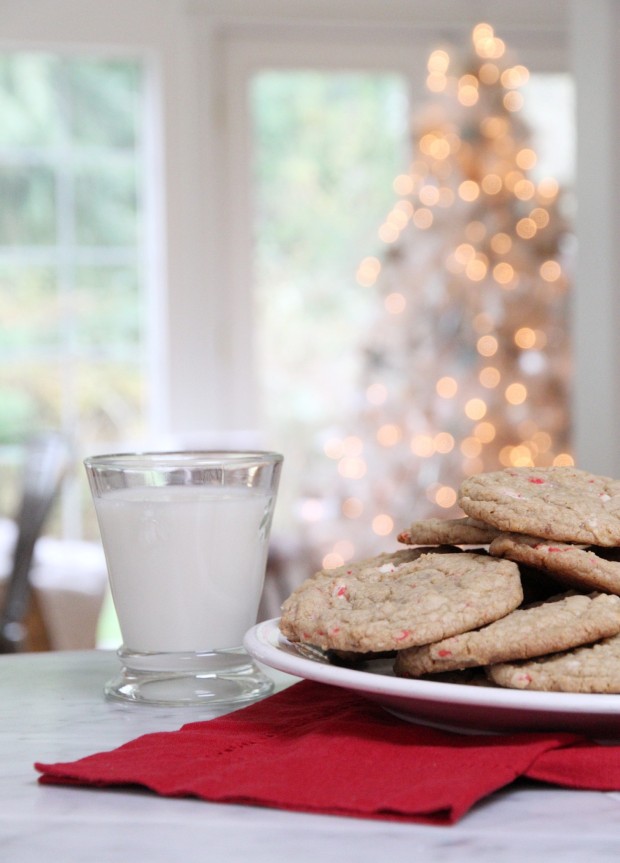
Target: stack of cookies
{"points": [[458, 596]]}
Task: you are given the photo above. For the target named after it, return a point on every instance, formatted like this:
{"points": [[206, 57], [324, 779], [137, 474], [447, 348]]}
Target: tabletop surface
{"points": [[52, 709]]}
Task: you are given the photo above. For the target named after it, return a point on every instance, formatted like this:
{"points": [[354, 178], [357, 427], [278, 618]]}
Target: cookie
{"points": [[453, 531], [595, 668], [559, 503], [564, 622], [578, 566], [386, 562], [395, 606]]}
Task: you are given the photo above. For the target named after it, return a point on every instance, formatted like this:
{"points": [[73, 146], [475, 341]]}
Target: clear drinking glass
{"points": [[185, 535]]}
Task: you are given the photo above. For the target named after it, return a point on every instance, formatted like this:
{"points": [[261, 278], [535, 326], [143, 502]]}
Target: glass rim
{"points": [[171, 459]]}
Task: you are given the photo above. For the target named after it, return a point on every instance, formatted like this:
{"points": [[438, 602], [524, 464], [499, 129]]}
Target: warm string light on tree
{"points": [[467, 367]]}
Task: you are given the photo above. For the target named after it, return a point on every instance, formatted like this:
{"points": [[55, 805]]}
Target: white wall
{"points": [[595, 28]]}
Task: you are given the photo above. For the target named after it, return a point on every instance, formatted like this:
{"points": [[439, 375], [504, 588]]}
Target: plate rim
{"points": [[266, 644]]}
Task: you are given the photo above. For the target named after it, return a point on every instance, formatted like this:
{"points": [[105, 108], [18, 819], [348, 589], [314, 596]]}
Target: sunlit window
{"points": [[72, 270], [327, 149]]}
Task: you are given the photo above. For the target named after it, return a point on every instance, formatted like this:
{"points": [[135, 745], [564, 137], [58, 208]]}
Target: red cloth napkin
{"points": [[318, 748]]}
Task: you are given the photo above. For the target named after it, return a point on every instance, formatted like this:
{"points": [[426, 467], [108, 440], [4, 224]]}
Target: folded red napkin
{"points": [[318, 748]]}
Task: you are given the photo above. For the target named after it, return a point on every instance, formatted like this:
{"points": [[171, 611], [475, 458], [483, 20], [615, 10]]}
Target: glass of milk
{"points": [[185, 535]]}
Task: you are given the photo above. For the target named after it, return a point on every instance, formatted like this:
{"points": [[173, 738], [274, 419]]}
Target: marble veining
{"points": [[52, 709]]}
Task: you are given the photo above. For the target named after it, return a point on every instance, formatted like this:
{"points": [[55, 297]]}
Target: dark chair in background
{"points": [[47, 460]]}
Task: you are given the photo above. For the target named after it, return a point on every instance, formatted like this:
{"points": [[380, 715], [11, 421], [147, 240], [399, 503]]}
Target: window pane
{"points": [[72, 334], [104, 98], [549, 107], [29, 398], [108, 309], [327, 147], [110, 400], [28, 100], [30, 311], [28, 205], [106, 205]]}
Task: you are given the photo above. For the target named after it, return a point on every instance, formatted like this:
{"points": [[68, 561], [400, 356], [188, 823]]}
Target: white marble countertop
{"points": [[52, 709]]}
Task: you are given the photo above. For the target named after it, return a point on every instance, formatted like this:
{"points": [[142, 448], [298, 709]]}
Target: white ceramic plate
{"points": [[445, 705]]}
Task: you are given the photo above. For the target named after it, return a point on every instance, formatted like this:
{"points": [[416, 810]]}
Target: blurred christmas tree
{"points": [[467, 367]]}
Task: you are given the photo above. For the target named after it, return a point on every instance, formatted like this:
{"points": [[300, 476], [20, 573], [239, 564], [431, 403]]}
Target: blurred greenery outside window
{"points": [[326, 149], [71, 259]]}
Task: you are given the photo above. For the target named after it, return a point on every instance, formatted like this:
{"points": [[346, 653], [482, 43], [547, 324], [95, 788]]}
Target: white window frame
{"points": [[202, 53]]}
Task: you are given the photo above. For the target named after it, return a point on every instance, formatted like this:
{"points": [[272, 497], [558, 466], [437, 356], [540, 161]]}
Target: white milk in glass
{"points": [[186, 564]]}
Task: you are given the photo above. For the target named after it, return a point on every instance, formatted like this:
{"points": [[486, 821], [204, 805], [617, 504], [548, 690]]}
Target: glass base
{"points": [[218, 678]]}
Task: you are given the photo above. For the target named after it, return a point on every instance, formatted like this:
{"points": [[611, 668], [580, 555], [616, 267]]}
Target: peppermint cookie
{"points": [[398, 606], [564, 622], [579, 566], [587, 669], [453, 531], [561, 503], [386, 562]]}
